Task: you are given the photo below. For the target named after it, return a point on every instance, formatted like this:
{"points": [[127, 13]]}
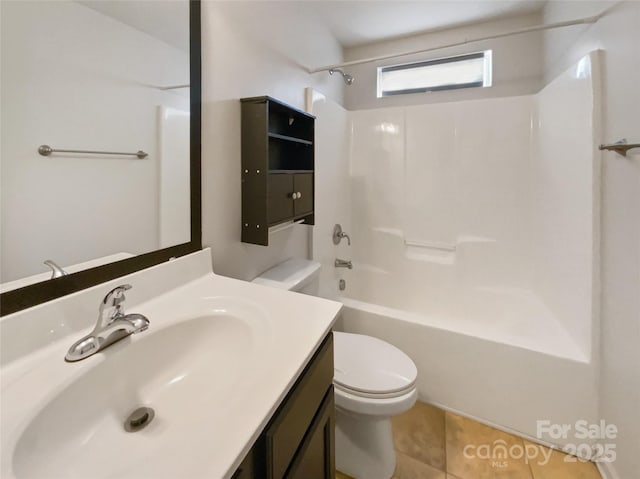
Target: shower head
{"points": [[348, 79]]}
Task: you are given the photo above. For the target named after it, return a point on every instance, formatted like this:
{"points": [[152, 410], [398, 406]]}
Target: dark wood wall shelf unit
{"points": [[277, 167], [299, 441]]}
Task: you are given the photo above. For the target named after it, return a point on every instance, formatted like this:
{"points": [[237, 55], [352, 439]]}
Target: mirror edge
{"points": [[32, 295]]}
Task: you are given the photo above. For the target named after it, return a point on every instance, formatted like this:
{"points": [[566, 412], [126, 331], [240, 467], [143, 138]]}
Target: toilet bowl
{"points": [[373, 381]]}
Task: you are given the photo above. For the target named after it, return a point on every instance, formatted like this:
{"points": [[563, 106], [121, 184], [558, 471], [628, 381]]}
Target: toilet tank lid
{"points": [[292, 274]]}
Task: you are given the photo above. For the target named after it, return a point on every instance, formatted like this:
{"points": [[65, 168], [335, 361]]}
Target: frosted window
{"points": [[464, 71]]}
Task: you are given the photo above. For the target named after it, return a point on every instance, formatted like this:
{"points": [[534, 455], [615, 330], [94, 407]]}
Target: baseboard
{"points": [[509, 430], [607, 471]]}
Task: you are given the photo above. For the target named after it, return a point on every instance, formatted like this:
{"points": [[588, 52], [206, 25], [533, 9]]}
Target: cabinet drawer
{"points": [[288, 428]]}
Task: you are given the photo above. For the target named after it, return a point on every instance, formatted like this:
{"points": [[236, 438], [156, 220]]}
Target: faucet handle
{"points": [[113, 299], [338, 234], [345, 235]]}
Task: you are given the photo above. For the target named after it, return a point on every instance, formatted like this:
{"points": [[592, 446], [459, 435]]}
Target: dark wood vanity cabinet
{"points": [[315, 460], [277, 167], [298, 442]]}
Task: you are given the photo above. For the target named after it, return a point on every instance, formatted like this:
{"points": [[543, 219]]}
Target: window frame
{"points": [[487, 80]]}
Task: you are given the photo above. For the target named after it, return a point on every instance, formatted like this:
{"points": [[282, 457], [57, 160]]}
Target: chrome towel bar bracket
{"points": [[620, 147], [46, 150]]}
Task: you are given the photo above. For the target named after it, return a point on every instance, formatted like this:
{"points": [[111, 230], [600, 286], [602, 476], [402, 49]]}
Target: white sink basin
{"points": [[212, 367], [178, 371]]}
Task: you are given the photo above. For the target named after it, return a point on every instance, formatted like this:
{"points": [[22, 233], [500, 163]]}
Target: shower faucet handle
{"points": [[338, 234]]}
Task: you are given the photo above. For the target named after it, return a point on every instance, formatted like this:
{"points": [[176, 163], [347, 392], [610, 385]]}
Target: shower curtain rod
{"points": [[536, 28]]}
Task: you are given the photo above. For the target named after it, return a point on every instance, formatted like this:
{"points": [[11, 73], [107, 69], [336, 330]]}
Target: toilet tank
{"points": [[294, 274]]}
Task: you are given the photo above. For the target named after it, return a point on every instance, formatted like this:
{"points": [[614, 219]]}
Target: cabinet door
{"points": [[280, 199], [303, 186], [316, 457], [295, 417], [248, 468]]}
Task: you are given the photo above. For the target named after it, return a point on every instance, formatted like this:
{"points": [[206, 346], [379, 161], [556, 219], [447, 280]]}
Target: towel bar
{"points": [[620, 147], [46, 150]]}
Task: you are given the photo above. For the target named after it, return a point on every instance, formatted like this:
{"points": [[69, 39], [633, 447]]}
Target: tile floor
{"points": [[430, 444]]}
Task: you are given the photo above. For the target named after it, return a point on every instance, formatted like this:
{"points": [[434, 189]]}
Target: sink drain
{"points": [[139, 419]]}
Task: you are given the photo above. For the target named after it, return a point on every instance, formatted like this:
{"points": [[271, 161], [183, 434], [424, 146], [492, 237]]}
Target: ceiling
{"points": [[358, 22], [167, 20], [352, 22]]}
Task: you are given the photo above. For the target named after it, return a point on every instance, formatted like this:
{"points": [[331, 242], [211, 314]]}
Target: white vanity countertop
{"points": [[212, 398]]}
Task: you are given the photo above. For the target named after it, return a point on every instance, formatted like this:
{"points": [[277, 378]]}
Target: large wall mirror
{"points": [[118, 83]]}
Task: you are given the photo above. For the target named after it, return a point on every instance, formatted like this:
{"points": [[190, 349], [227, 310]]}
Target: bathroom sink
{"points": [[216, 361], [179, 371]]}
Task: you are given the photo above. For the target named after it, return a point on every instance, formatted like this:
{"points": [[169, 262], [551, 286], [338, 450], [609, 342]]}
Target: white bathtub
{"points": [[488, 362]]}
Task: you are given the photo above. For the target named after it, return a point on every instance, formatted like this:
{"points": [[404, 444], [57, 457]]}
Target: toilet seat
{"points": [[387, 395], [380, 406], [395, 394], [371, 368]]}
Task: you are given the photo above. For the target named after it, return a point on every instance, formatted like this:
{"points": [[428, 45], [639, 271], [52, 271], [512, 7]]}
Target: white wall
{"points": [[618, 35], [565, 175], [74, 78], [252, 49], [174, 165], [430, 177], [467, 185], [517, 63], [333, 195], [456, 216], [466, 174]]}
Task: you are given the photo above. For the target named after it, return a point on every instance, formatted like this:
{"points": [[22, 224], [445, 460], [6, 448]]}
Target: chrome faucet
{"points": [[112, 326], [342, 263], [56, 271]]}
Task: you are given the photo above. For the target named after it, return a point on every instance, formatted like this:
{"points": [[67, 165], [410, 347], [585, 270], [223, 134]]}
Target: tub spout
{"points": [[341, 263]]}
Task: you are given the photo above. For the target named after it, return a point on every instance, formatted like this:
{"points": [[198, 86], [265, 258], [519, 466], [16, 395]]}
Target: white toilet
{"points": [[373, 381]]}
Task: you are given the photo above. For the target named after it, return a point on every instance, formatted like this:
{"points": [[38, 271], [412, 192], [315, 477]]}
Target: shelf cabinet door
{"points": [[280, 200], [316, 458], [303, 186]]}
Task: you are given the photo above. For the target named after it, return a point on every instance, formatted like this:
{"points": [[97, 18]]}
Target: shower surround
{"points": [[475, 239]]}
